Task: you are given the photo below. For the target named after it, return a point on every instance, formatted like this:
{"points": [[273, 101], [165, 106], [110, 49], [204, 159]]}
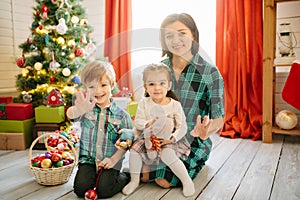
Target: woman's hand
{"points": [[201, 129]]}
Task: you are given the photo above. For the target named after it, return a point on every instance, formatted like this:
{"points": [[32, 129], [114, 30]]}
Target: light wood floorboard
{"points": [[237, 169]]}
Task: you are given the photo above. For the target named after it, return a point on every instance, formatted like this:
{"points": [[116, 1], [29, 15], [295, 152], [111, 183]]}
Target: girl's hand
{"points": [[164, 142], [83, 102], [201, 129], [150, 122]]}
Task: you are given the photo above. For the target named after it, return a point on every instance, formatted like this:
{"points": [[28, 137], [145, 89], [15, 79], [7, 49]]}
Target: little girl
{"points": [[157, 84]]}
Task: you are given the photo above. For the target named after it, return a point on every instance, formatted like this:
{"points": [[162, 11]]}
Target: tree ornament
{"points": [[54, 98], [90, 48], [27, 98], [74, 19], [60, 40], [25, 72], [71, 43], [34, 25], [54, 1], [41, 30], [29, 39], [52, 79], [61, 28], [83, 39], [47, 39], [76, 79], [83, 22], [64, 4], [21, 62], [45, 11], [38, 66], [46, 53], [62, 13], [72, 56], [53, 64], [66, 71], [79, 52]]}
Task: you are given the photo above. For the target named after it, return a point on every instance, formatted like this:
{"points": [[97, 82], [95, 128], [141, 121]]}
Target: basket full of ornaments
{"points": [[56, 165]]}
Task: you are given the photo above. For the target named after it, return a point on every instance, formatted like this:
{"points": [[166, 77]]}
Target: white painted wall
{"points": [[287, 12]]}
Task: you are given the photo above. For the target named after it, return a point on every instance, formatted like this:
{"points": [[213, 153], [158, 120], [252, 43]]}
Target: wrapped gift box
{"points": [[18, 126], [5, 99], [2, 111], [131, 108], [40, 129], [45, 114], [12, 141], [19, 111]]}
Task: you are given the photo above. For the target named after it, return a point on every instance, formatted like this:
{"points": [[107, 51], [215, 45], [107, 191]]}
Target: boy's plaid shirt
{"points": [[100, 132]]}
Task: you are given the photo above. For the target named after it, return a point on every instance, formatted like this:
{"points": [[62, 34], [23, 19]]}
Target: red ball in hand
{"points": [[90, 195]]}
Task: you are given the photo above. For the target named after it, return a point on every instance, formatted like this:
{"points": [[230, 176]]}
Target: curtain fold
{"points": [[239, 46], [117, 45]]}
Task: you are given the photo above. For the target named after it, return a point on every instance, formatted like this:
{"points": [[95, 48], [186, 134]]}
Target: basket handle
{"points": [[48, 135]]}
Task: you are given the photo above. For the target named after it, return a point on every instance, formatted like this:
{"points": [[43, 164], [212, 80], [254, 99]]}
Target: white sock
{"points": [[176, 165], [135, 166]]}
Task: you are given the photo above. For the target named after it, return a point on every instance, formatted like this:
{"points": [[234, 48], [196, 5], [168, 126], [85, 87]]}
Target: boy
{"points": [[102, 122]]}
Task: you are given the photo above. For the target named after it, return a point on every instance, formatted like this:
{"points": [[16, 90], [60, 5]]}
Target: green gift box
{"points": [[131, 108], [19, 126], [45, 114]]}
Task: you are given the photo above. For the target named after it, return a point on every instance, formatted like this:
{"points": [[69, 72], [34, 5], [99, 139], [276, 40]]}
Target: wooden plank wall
{"points": [[287, 12], [15, 20]]}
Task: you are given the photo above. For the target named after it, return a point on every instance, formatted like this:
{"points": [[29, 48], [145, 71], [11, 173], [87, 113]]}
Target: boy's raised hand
{"points": [[82, 104]]}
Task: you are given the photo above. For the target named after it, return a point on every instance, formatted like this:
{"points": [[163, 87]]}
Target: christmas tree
{"points": [[57, 48]]}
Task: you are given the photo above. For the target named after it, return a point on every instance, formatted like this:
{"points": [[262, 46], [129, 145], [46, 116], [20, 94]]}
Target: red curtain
{"points": [[239, 45], [117, 39]]}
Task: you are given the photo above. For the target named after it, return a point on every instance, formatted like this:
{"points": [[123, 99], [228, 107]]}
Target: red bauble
{"points": [[79, 52], [20, 62], [90, 195], [52, 79]]}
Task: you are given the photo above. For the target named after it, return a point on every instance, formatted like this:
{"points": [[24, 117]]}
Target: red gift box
{"points": [[5, 99], [18, 111]]}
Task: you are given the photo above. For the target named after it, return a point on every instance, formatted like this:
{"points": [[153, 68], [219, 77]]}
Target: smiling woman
{"points": [[149, 14], [146, 20]]}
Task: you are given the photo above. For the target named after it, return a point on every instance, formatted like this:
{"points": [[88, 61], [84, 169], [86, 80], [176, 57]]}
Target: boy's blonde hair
{"points": [[95, 70]]}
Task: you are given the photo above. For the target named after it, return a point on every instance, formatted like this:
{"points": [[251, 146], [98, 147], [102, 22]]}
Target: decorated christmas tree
{"points": [[56, 49]]}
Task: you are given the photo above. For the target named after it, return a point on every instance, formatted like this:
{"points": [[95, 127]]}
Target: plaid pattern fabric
{"points": [[103, 123], [200, 91], [181, 148]]}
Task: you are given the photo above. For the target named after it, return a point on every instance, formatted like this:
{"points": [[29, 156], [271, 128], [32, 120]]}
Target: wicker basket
{"points": [[52, 176]]}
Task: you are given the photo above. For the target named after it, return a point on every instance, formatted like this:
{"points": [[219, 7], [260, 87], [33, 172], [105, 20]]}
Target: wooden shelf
{"points": [[294, 131], [269, 37]]}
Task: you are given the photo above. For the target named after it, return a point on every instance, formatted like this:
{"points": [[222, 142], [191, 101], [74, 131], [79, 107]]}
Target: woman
{"points": [[199, 87]]}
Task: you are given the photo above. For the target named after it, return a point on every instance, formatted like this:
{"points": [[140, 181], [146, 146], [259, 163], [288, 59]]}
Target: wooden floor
{"points": [[237, 169]]}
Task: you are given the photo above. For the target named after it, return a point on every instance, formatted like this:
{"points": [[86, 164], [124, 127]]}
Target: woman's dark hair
{"points": [[188, 21]]}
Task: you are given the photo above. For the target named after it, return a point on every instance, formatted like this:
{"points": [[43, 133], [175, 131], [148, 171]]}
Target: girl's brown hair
{"points": [[188, 21], [162, 68]]}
